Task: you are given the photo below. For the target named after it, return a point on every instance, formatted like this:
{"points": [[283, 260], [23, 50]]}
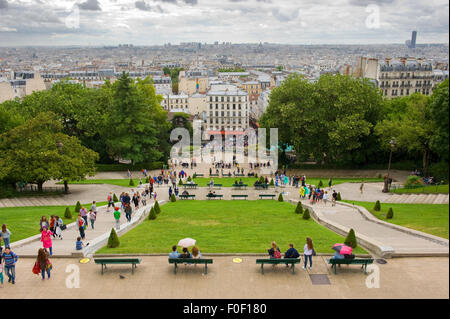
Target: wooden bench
{"points": [[190, 261], [239, 196], [118, 261], [217, 186], [262, 186], [214, 175], [193, 186], [363, 262], [239, 175], [240, 186], [272, 196], [214, 196], [187, 196], [198, 175], [277, 261]]}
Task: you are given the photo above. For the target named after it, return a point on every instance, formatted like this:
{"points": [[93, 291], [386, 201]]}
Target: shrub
{"points": [[261, 180], [115, 199], [350, 240], [113, 240], [189, 179], [157, 208], [339, 196], [180, 183], [280, 197], [173, 198], [390, 213], [152, 215], [256, 175], [131, 183], [377, 206], [306, 214], [379, 175], [77, 208], [271, 182], [440, 172], [412, 180], [147, 181], [68, 213], [195, 175], [299, 208], [320, 184]]}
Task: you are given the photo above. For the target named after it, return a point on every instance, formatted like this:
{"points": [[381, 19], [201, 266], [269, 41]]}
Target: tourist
{"points": [[136, 200], [110, 200], [325, 197], [1, 270], [94, 207], [330, 182], [274, 252], [59, 227], [126, 200], [185, 253], [46, 239], [170, 191], [79, 244], [338, 256], [43, 223], [84, 214], [211, 183], [291, 252], [361, 187], [5, 235], [176, 191], [117, 216], [52, 224], [128, 211], [44, 263], [196, 253], [92, 217], [333, 198], [308, 252], [10, 260], [144, 197], [174, 253], [81, 226]]}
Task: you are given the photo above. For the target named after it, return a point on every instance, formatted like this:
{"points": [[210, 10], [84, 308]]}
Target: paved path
{"points": [[154, 278]]}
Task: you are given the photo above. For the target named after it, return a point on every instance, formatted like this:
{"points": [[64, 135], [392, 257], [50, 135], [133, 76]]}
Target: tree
{"points": [[439, 116], [306, 214], [54, 155], [152, 215], [131, 183], [390, 213], [113, 240], [173, 198], [10, 116], [350, 240], [299, 208], [377, 206], [115, 199], [280, 197], [157, 208], [68, 213]]}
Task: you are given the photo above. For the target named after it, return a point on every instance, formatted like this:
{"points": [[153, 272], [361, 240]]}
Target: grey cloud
{"points": [[3, 4], [364, 3], [91, 5], [191, 2], [285, 16], [142, 5]]}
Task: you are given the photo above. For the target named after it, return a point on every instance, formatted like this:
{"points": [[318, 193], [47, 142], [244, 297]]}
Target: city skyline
{"points": [[155, 22]]}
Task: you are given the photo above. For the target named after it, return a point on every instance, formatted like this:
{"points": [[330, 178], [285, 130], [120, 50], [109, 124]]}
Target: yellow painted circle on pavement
{"points": [[237, 260], [84, 260]]}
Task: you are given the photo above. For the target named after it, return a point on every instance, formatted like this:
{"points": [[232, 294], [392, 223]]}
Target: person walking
{"points": [[46, 239], [128, 211], [92, 217], [308, 251], [1, 271], [84, 214], [117, 217], [330, 182], [5, 235], [44, 263], [361, 188], [80, 222], [43, 223], [94, 207], [110, 200], [333, 198], [59, 227], [10, 260]]}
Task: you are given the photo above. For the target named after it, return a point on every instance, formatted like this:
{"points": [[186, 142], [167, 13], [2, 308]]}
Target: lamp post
{"points": [[386, 180]]}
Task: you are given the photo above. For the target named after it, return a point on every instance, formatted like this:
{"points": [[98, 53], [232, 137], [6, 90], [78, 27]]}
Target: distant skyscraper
{"points": [[413, 39]]}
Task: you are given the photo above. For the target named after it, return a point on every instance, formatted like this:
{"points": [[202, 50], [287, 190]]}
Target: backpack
{"points": [[276, 254], [351, 256]]}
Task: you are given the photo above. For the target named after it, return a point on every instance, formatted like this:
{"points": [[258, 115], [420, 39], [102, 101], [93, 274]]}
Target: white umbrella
{"points": [[186, 242]]}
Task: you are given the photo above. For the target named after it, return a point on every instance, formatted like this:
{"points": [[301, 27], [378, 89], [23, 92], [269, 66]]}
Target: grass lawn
{"points": [[23, 222], [119, 182], [226, 227], [429, 189], [429, 218]]}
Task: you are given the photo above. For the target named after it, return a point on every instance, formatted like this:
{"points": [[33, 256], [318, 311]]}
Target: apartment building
{"points": [[192, 84], [176, 103]]}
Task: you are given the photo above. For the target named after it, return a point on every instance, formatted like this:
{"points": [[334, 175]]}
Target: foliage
{"points": [[306, 215], [125, 167], [412, 180], [339, 196], [68, 213], [439, 116], [152, 215], [320, 184], [115, 199], [299, 208], [236, 69], [180, 182], [390, 213], [77, 208], [280, 197], [377, 206], [173, 198], [113, 240], [157, 208], [271, 182], [131, 183], [440, 172], [350, 240]]}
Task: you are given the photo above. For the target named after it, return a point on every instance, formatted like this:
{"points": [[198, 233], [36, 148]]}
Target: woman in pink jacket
{"points": [[46, 239]]}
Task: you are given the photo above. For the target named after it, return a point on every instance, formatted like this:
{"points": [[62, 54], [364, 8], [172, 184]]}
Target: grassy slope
{"points": [[23, 222], [429, 218], [227, 227], [440, 189]]}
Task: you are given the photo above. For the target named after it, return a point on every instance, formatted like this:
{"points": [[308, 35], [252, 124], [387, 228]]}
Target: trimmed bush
{"points": [[320, 184], [113, 240], [280, 198], [189, 179], [379, 176], [412, 180], [115, 199], [299, 208], [77, 208], [147, 181], [390, 213], [350, 240], [131, 183], [377, 206], [339, 196], [180, 183], [306, 214], [271, 182], [195, 175], [157, 208], [152, 215], [261, 180], [256, 175], [68, 213], [173, 198]]}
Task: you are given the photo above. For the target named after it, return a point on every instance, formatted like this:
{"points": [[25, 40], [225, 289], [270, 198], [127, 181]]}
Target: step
{"points": [[430, 199], [411, 199]]}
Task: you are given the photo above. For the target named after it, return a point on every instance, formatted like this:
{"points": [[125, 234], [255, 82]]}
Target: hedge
{"points": [[125, 167]]}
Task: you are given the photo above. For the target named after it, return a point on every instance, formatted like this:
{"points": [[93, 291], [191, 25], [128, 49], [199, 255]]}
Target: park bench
{"points": [[190, 261], [198, 175], [118, 261], [187, 196], [240, 186], [261, 186], [193, 186], [363, 262], [240, 175], [214, 196], [218, 186], [245, 196], [214, 175], [272, 196], [277, 261]]}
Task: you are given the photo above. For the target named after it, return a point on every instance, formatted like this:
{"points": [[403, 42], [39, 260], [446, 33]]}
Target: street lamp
{"points": [[386, 180]]}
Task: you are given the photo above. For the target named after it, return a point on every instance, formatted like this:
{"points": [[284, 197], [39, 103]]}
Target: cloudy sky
{"points": [[147, 22]]}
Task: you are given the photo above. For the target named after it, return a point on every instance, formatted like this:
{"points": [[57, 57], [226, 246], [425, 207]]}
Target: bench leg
{"points": [[132, 268], [293, 268], [102, 268], [206, 269], [262, 268], [175, 268]]}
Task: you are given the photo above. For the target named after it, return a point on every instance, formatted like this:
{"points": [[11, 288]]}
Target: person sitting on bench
{"points": [[274, 252], [185, 253], [291, 252], [174, 253], [196, 253], [338, 256], [185, 193], [240, 182]]}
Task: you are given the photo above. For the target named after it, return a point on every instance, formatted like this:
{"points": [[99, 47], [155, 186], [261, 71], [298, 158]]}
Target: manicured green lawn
{"points": [[440, 189], [119, 182], [429, 218], [227, 227], [23, 222]]}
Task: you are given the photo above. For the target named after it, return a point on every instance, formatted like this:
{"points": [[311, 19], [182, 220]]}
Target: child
{"points": [[92, 217], [117, 217], [59, 225], [10, 259], [46, 239], [79, 244], [1, 272]]}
